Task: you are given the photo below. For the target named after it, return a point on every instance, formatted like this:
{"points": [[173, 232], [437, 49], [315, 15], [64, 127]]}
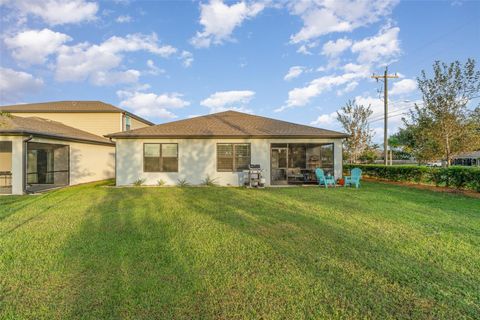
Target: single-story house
{"points": [[467, 159], [38, 154], [222, 146]]}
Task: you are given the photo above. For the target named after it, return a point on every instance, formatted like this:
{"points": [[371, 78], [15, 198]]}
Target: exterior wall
{"points": [[197, 159], [17, 162], [5, 160], [88, 162], [96, 123], [135, 124]]}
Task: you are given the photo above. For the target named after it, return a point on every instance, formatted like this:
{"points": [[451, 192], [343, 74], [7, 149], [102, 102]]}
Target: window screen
{"points": [[233, 156], [160, 157]]}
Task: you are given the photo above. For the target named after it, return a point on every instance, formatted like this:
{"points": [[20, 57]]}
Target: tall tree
{"points": [[354, 119], [443, 126]]}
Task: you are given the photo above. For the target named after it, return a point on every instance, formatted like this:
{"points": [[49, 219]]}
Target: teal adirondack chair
{"points": [[354, 178], [322, 179]]}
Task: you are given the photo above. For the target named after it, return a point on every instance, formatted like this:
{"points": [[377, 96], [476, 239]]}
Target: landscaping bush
{"points": [[458, 177]]}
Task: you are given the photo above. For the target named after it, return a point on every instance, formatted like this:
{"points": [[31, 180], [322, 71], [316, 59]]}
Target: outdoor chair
{"points": [[324, 180], [354, 178]]}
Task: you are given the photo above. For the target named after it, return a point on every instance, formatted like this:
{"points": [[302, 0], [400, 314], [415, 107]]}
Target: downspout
{"points": [[24, 164]]}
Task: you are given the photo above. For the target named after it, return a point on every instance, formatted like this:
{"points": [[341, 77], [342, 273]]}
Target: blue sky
{"points": [[293, 60]]}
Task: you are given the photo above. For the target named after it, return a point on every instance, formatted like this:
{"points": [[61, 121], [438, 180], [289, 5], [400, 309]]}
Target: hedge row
{"points": [[458, 177]]}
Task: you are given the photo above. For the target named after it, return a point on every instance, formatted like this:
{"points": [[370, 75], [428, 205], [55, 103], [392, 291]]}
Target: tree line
{"points": [[446, 123]]}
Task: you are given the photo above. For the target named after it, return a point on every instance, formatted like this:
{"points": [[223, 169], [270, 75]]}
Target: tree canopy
{"points": [[444, 125], [354, 119]]}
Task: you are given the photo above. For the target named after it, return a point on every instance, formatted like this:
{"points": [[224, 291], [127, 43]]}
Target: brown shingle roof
{"points": [[229, 124], [46, 128], [69, 106]]}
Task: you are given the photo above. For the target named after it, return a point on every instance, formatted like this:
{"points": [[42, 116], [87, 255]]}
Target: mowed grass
{"points": [[383, 251]]}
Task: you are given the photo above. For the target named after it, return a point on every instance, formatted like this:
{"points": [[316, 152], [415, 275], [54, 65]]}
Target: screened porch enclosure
{"points": [[48, 166], [295, 163], [5, 167]]}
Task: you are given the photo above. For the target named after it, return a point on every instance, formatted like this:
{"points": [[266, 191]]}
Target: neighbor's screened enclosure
{"points": [[160, 157], [48, 166], [5, 167]]}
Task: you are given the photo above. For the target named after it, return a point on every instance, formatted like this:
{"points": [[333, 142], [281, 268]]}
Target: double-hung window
{"points": [[160, 157], [128, 122], [233, 157]]}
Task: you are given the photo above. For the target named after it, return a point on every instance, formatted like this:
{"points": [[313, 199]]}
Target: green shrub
{"points": [[183, 183], [458, 177], [161, 182], [139, 182], [210, 182]]}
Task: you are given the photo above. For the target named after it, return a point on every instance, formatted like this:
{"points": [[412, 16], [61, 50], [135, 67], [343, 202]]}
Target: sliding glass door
{"points": [[279, 165], [296, 162]]}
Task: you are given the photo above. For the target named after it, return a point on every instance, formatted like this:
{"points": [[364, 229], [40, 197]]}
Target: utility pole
{"points": [[385, 78]]}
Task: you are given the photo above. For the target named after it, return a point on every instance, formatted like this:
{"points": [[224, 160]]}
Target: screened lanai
{"points": [[295, 163], [47, 166], [5, 167]]}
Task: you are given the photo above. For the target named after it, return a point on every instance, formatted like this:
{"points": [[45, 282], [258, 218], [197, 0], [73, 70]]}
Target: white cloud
{"points": [[102, 78], [229, 100], [34, 46], [357, 68], [324, 17], [328, 120], [381, 48], [294, 72], [371, 51], [333, 49], [153, 69], [404, 86], [15, 84], [151, 104], [348, 88], [302, 96], [320, 22], [219, 21], [85, 61], [124, 19], [56, 12], [187, 58], [306, 47]]}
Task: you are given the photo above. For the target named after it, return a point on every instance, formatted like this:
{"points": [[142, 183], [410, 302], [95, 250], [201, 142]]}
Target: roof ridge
{"points": [[230, 123]]}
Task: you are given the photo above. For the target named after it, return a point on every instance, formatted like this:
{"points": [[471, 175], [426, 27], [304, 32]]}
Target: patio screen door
{"points": [[279, 165]]}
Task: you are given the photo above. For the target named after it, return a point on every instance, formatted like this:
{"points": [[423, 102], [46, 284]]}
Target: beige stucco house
{"points": [[222, 146], [55, 144], [96, 117]]}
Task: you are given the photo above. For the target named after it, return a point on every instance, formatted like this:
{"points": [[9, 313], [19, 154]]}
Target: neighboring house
{"points": [[54, 144], [92, 116], [38, 154], [222, 146], [467, 159]]}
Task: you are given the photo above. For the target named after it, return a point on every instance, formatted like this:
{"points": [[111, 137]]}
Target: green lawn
{"points": [[382, 251]]}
